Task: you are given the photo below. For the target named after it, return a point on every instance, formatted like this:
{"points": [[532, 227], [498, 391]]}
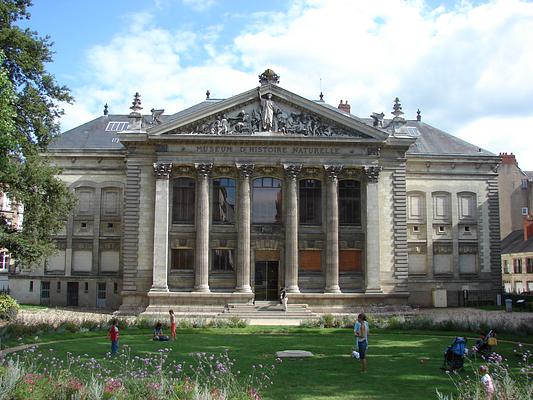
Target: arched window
{"points": [[349, 202], [310, 202], [266, 201], [183, 197], [224, 201]]}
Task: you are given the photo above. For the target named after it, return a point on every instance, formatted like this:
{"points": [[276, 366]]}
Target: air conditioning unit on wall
{"points": [[525, 211]]}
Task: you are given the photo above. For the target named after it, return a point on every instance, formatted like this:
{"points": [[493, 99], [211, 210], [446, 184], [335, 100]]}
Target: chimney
{"points": [[344, 107], [528, 227], [508, 159]]}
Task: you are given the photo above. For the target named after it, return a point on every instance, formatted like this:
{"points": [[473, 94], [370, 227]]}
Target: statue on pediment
{"points": [[267, 112]]}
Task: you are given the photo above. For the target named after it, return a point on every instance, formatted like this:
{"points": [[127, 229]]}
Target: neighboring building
{"points": [[517, 259], [12, 214], [516, 194], [230, 200]]}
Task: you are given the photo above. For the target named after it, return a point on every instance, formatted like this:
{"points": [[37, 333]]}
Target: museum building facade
{"points": [[231, 200]]}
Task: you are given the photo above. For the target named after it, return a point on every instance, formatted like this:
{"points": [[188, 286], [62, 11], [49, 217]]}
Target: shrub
{"points": [[9, 307]]}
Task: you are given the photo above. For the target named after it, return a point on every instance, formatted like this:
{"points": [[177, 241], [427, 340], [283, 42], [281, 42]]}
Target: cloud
{"points": [[199, 5], [466, 67]]}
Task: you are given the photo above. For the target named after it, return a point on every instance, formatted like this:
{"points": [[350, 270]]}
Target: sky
{"points": [[467, 65]]}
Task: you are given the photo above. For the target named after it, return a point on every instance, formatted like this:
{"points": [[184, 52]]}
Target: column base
{"points": [[159, 289], [243, 289], [333, 289], [292, 289], [202, 289]]}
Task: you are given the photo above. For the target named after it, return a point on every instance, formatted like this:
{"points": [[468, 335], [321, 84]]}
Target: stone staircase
{"points": [[267, 311]]}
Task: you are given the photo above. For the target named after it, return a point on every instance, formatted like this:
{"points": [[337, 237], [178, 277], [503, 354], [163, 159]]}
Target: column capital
{"points": [[333, 171], [292, 170], [204, 169], [372, 172], [162, 170], [245, 170]]}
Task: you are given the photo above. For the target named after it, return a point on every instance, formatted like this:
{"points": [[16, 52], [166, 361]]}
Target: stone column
{"points": [[372, 270], [291, 228], [160, 269], [243, 244], [201, 272], [332, 229]]}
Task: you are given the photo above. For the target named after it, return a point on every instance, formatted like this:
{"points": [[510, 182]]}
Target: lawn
{"points": [[395, 370]]}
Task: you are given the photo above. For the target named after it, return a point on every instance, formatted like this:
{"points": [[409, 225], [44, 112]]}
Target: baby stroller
{"points": [[455, 354], [484, 345]]}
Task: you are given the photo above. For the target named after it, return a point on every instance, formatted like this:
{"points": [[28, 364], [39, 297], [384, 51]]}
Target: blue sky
{"points": [[466, 65]]}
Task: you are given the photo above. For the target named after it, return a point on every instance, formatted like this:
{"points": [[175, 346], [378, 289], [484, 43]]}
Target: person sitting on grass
{"points": [[158, 332]]}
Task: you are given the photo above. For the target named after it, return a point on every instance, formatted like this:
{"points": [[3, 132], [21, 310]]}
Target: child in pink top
{"points": [[172, 324], [486, 381]]}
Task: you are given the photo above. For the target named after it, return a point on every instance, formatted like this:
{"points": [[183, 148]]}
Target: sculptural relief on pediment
{"points": [[267, 116]]}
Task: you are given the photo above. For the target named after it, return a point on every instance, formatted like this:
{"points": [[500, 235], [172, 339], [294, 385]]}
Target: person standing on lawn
{"points": [[113, 336], [361, 335], [172, 324]]}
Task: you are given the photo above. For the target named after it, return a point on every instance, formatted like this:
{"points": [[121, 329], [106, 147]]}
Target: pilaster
{"points": [[161, 220], [372, 270]]}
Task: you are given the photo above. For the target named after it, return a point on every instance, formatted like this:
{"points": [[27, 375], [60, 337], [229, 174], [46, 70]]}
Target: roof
{"points": [[93, 135], [515, 243]]}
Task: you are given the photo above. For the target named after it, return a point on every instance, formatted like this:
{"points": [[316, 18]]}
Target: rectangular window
{"points": [[224, 201], [223, 260], [4, 261], [31, 286], [519, 287], [529, 265], [45, 290], [101, 292], [349, 202], [506, 269], [350, 261], [182, 259], [310, 202], [310, 260], [517, 265], [86, 287], [58, 287], [115, 287], [530, 286], [183, 201]]}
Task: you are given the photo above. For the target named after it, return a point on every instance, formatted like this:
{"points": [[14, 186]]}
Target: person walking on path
{"points": [[361, 335], [172, 324], [284, 298], [113, 336], [486, 381]]}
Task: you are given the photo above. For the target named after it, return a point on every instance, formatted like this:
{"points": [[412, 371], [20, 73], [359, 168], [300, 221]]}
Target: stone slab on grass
{"points": [[294, 354]]}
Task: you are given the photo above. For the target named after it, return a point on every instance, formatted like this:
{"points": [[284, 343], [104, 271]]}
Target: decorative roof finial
{"points": [[269, 76], [106, 109], [207, 94], [418, 115], [321, 96], [397, 108], [136, 104]]}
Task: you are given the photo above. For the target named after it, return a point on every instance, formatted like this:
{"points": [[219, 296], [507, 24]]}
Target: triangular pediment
{"points": [[268, 110]]}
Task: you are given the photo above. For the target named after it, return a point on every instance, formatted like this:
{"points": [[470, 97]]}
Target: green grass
{"points": [[395, 371], [33, 307]]}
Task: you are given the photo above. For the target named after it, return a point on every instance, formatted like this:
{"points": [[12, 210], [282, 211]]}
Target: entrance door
{"points": [[266, 280], [72, 294]]}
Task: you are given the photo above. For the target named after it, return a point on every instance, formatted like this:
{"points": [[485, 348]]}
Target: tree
{"points": [[30, 100]]}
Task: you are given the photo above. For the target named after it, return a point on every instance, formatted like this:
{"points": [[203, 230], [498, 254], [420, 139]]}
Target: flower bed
{"points": [[42, 375]]}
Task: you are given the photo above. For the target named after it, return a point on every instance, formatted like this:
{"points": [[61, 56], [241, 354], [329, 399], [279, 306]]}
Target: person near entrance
{"points": [[284, 299]]}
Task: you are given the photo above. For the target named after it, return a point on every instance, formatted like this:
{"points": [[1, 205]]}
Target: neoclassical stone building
{"points": [[230, 200]]}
